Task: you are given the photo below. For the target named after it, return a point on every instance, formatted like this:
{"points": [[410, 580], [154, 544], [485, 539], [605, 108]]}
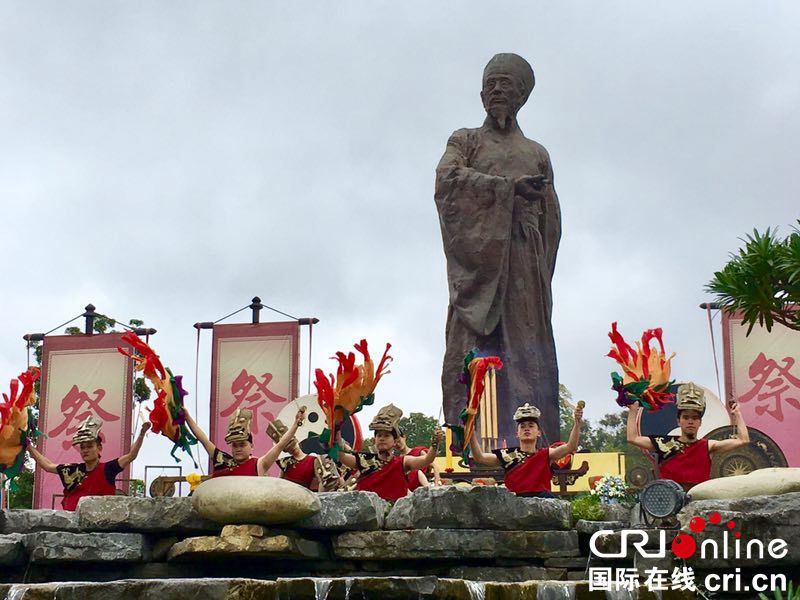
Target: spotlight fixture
{"points": [[661, 499]]}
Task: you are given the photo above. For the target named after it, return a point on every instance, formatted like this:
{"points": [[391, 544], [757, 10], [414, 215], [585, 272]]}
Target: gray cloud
{"points": [[170, 161]]}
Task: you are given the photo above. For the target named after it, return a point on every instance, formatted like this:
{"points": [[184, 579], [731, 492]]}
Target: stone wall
{"points": [[444, 542]]}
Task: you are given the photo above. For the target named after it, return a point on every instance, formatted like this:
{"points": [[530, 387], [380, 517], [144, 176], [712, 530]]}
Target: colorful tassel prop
{"points": [[646, 370], [167, 416], [473, 375], [17, 422], [352, 389]]}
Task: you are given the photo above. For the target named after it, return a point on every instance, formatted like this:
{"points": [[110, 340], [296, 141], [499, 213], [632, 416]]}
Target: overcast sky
{"points": [[170, 160]]}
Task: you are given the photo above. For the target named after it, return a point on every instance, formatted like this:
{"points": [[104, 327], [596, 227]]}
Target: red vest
{"points": [[94, 484], [301, 472], [532, 475], [248, 468], [389, 482], [690, 467]]}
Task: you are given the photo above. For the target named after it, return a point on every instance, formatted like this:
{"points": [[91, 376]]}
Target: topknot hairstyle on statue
{"points": [[515, 66]]}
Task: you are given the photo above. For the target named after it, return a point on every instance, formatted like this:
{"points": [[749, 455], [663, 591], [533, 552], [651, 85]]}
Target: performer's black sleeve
{"points": [[112, 469]]}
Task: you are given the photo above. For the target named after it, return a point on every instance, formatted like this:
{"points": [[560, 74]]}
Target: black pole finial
{"points": [[90, 315], [711, 305], [256, 307]]}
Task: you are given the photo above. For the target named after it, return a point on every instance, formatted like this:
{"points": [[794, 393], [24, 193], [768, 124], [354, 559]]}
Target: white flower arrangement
{"points": [[610, 489]]}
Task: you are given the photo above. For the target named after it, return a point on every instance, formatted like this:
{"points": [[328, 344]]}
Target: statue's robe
{"points": [[501, 251]]}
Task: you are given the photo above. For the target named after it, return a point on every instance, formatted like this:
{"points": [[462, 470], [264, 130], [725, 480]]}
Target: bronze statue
{"points": [[501, 224]]}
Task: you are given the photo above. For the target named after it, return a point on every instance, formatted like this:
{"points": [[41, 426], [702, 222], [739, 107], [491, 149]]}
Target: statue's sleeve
{"points": [[551, 220], [475, 215]]}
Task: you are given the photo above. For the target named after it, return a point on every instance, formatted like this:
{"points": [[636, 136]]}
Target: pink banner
{"points": [[82, 375], [253, 366], [761, 374]]}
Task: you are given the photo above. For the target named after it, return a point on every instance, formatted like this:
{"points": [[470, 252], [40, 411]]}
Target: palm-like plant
{"points": [[792, 593], [762, 280]]}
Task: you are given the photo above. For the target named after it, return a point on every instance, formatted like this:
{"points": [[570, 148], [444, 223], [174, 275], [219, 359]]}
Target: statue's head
{"points": [[508, 80]]}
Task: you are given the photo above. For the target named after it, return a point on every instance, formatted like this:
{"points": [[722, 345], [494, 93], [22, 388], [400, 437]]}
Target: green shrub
{"points": [[588, 508]]}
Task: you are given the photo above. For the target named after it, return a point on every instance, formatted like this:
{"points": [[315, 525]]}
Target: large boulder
{"points": [[477, 507], [347, 511], [27, 521], [260, 500], [757, 519], [125, 513], [59, 547], [762, 482], [458, 544]]}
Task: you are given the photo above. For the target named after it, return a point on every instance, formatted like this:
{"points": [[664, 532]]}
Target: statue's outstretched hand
{"points": [[530, 187]]}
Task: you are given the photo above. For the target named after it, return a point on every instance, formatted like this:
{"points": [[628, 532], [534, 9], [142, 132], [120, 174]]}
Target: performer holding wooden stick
{"points": [[527, 470], [241, 461], [384, 473], [91, 477], [415, 477], [298, 467]]}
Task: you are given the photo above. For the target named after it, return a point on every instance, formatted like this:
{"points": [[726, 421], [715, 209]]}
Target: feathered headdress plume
{"points": [[17, 422], [167, 415], [348, 392], [646, 370], [473, 376]]}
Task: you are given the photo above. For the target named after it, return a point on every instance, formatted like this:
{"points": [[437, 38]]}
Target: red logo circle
{"points": [[697, 524], [683, 546]]}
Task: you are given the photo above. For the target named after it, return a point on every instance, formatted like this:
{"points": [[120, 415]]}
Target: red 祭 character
{"points": [[254, 394], [78, 406], [770, 382]]}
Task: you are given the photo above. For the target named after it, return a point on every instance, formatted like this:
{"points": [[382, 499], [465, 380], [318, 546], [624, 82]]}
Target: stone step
{"points": [[454, 544]]}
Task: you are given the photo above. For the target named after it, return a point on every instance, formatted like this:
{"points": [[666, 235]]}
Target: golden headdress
{"points": [[239, 426], [691, 397], [387, 419], [527, 412], [276, 429], [88, 431]]}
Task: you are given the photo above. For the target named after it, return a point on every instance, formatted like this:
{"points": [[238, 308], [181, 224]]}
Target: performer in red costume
{"points": [[686, 459], [90, 477], [384, 473], [298, 467], [527, 469], [241, 461], [415, 477]]}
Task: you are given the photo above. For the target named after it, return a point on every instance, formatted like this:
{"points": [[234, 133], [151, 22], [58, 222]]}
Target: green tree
{"points": [[609, 435], [22, 497], [419, 428], [136, 488], [762, 280], [566, 409]]}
